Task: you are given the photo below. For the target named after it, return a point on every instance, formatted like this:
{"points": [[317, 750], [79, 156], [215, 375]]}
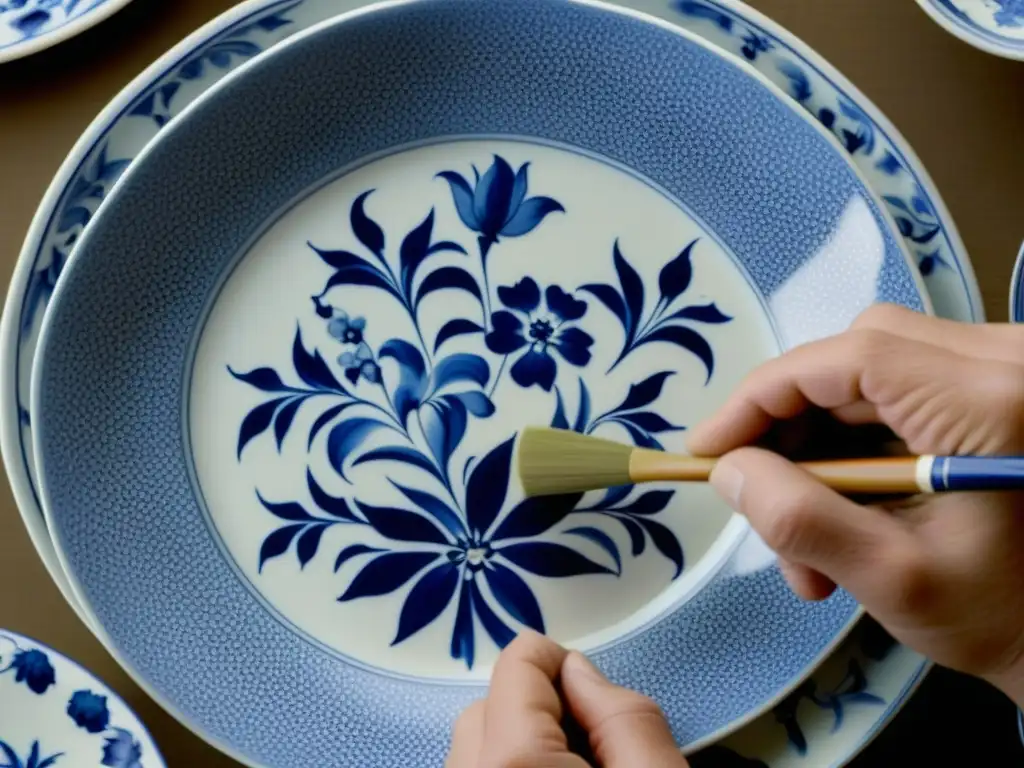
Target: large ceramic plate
{"points": [[29, 26], [994, 26], [348, 369], [54, 714], [138, 113]]}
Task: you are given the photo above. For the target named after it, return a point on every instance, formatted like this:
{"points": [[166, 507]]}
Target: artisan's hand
{"points": [[519, 724], [945, 574]]}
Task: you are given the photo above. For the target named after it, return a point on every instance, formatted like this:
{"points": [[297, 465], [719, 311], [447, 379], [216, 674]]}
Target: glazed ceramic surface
{"points": [[1017, 289], [28, 26], [995, 26], [55, 714], [366, 311], [146, 105]]}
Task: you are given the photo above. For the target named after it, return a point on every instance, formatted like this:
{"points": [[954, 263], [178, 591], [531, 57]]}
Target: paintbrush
{"points": [[555, 461]]}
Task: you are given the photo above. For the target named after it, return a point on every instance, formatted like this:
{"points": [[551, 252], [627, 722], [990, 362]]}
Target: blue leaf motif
{"points": [[311, 367], [412, 381], [632, 292], [402, 525], [309, 543], [499, 631], [515, 596], [535, 515], [699, 10], [277, 543], [326, 418], [401, 454], [613, 496], [529, 215], [366, 230], [675, 276], [704, 313], [463, 645], [559, 421], [666, 542], [648, 421], [334, 506], [636, 535], [688, 339], [287, 511], [476, 403], [265, 379], [427, 600], [643, 393], [448, 277], [487, 486], [610, 298], [434, 507], [460, 367], [650, 503], [601, 539], [386, 573], [444, 425], [415, 248], [346, 437], [583, 412], [453, 328], [256, 422], [283, 420], [799, 85], [462, 195], [639, 436], [353, 551], [552, 560], [352, 270]]}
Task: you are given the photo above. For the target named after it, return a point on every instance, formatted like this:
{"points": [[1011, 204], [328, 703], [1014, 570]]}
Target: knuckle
{"points": [[789, 522]]}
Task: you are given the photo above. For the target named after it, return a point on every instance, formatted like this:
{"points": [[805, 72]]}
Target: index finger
{"points": [[524, 710], [828, 374]]}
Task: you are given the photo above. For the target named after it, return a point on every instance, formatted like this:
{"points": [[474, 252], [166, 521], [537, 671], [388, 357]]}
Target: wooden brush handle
{"points": [[900, 474]]}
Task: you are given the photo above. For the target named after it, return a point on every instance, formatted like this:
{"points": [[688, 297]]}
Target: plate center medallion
{"points": [[362, 376]]}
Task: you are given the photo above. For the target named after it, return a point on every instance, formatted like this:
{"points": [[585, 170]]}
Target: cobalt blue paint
{"points": [[977, 473]]}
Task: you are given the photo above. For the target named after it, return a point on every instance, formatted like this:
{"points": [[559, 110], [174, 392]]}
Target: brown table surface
{"points": [[961, 109]]}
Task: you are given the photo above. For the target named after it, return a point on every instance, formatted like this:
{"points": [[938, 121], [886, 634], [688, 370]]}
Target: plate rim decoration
{"points": [[118, 110], [154, 758], [772, 91], [957, 23], [71, 28], [1017, 288]]}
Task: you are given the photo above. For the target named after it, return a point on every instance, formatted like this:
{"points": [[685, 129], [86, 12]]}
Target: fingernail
{"points": [[727, 481], [580, 665]]}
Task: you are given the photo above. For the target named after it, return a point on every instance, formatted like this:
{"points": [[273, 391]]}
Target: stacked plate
{"points": [[263, 400]]}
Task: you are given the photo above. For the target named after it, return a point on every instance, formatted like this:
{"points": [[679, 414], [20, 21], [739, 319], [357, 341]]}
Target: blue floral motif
{"points": [[33, 668], [35, 757], [663, 323], [459, 538], [120, 750], [543, 331], [32, 18], [220, 53], [89, 711], [1010, 13]]}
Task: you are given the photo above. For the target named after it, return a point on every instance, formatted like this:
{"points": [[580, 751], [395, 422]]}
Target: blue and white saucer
{"points": [[995, 26], [29, 26], [54, 714], [303, 401]]}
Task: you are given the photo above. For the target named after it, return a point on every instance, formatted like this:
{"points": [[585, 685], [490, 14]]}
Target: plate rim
{"points": [[961, 30], [72, 28], [297, 39]]}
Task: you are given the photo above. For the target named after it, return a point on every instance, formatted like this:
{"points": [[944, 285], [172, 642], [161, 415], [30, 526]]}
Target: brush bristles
{"points": [[555, 461]]}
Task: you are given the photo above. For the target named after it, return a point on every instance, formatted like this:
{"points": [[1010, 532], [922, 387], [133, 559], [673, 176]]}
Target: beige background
{"points": [[962, 110]]}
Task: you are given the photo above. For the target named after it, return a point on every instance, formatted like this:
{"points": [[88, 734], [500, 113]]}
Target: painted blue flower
{"points": [[121, 750], [496, 204], [347, 330], [360, 363], [33, 668], [89, 711], [1010, 13], [542, 330], [35, 758], [447, 554]]}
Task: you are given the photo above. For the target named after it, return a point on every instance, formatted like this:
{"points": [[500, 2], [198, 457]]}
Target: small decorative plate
{"points": [[445, 225], [29, 26], [994, 26], [54, 714]]}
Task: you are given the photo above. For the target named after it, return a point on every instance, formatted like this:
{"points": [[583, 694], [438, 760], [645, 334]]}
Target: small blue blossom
{"points": [[541, 331], [121, 750], [496, 204], [360, 364], [345, 329], [89, 711], [34, 669]]}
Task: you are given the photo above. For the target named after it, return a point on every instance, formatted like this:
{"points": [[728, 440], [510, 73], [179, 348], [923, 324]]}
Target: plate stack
{"points": [[287, 305]]}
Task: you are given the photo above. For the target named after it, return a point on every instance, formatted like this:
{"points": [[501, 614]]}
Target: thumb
{"points": [[811, 526], [625, 728]]}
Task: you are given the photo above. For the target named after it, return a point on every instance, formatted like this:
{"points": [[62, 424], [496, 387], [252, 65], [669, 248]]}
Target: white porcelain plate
{"points": [[445, 225], [54, 714], [995, 26], [29, 26]]}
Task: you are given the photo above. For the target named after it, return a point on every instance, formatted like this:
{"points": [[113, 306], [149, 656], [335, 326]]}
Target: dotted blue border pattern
{"points": [[949, 9], [116, 345]]}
